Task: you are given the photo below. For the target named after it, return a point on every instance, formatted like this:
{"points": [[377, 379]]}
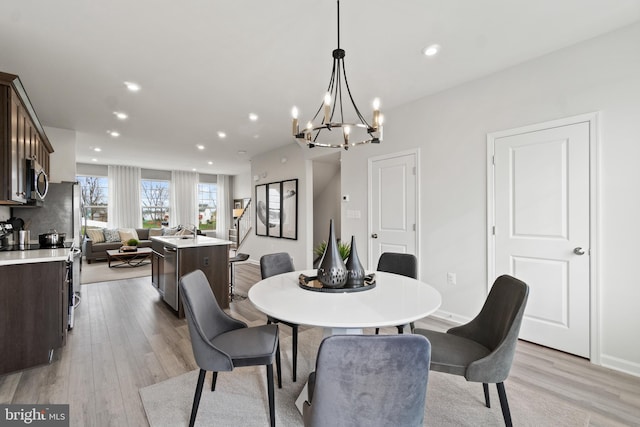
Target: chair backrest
{"points": [[497, 327], [398, 263], [206, 320], [273, 264], [370, 380]]}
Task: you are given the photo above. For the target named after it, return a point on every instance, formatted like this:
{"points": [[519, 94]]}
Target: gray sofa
{"points": [[98, 251]]}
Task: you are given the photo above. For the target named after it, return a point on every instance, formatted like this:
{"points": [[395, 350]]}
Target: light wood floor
{"points": [[126, 338]]}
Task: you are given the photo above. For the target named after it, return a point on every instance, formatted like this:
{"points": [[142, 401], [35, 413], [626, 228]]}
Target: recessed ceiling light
{"points": [[120, 115], [242, 152], [221, 134], [253, 117], [97, 149], [209, 162], [133, 87], [194, 169], [94, 160], [200, 147], [431, 50], [113, 133]]}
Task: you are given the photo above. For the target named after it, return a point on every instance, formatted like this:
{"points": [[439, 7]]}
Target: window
{"points": [[154, 197], [95, 196], [207, 205]]}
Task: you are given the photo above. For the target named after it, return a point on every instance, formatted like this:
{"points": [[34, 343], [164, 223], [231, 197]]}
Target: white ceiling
{"points": [[204, 65]]}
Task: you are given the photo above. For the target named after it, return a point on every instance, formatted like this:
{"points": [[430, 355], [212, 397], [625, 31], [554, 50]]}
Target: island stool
{"points": [[239, 257]]}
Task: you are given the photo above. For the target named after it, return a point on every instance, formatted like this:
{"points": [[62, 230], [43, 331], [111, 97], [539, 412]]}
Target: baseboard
{"points": [[451, 317], [622, 365]]}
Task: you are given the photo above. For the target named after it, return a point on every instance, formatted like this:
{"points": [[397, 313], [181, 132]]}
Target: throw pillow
{"points": [[96, 235], [127, 234], [155, 232], [111, 235]]}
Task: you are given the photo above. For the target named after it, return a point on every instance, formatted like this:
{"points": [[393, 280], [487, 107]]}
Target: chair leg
{"points": [[278, 366], [377, 331], [196, 398], [487, 402], [213, 381], [295, 352], [400, 329], [270, 390], [506, 414], [413, 327]]}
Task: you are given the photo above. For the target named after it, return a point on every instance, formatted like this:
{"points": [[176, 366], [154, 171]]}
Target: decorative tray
{"points": [[311, 283], [125, 248]]}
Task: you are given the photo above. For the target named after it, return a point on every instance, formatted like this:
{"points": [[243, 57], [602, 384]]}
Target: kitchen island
{"points": [[175, 256], [34, 307]]}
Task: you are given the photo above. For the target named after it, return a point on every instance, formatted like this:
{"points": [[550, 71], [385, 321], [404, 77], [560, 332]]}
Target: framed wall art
{"points": [[289, 217], [277, 209], [261, 210]]}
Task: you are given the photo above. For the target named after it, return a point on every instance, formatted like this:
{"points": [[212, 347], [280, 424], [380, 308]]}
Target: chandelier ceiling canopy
{"points": [[332, 126]]}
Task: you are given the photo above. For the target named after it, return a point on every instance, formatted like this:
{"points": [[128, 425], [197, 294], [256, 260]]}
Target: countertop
{"points": [[179, 242], [33, 256]]}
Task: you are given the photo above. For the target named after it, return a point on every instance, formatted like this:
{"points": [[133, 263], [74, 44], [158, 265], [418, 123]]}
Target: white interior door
{"points": [[542, 230], [393, 207]]}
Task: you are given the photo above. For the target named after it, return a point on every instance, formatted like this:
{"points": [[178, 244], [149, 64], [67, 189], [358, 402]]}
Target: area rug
{"points": [[99, 271], [240, 398]]}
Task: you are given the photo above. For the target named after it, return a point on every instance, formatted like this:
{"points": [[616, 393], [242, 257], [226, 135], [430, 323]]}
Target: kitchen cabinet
{"points": [[22, 138], [175, 256], [34, 313]]}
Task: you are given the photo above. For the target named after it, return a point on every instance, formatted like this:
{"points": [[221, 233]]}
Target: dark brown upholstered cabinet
{"points": [[22, 138], [33, 313]]}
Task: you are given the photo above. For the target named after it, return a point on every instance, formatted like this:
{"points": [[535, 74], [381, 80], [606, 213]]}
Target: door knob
{"points": [[578, 251], [374, 235]]}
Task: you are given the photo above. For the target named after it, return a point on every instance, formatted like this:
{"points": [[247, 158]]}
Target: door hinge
{"points": [[413, 170], [414, 227], [493, 160], [493, 230]]}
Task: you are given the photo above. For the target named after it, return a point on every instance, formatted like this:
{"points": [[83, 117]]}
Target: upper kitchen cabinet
{"points": [[22, 139]]}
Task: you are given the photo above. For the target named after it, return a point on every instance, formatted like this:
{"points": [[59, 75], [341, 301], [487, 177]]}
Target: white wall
{"points": [[270, 168], [63, 158], [326, 202], [600, 75], [242, 186]]}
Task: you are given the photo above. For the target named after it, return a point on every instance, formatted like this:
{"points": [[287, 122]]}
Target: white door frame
{"points": [[594, 293], [416, 153]]}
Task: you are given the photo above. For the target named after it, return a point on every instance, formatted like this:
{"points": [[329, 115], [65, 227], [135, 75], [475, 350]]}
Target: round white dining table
{"points": [[395, 300]]}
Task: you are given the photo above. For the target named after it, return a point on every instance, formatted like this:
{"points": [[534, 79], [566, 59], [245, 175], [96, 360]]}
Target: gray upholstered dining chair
{"points": [[369, 380], [272, 265], [402, 264], [222, 343], [483, 349]]}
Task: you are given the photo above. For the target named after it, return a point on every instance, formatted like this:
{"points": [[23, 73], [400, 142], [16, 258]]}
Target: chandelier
{"points": [[336, 132]]}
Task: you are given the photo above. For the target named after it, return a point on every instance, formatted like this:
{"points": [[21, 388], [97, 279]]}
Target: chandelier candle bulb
{"points": [[346, 130], [327, 108], [294, 113]]}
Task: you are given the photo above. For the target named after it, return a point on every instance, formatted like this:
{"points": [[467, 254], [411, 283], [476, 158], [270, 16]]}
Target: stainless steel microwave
{"points": [[37, 182]]}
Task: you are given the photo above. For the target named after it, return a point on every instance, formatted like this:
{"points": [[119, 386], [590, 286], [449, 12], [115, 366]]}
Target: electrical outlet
{"points": [[451, 278], [206, 260]]}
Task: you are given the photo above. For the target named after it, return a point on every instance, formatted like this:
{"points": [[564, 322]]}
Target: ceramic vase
{"points": [[332, 272], [355, 270]]}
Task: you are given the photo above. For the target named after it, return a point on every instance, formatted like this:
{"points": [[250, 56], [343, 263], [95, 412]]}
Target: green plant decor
{"points": [[343, 248], [132, 242]]}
